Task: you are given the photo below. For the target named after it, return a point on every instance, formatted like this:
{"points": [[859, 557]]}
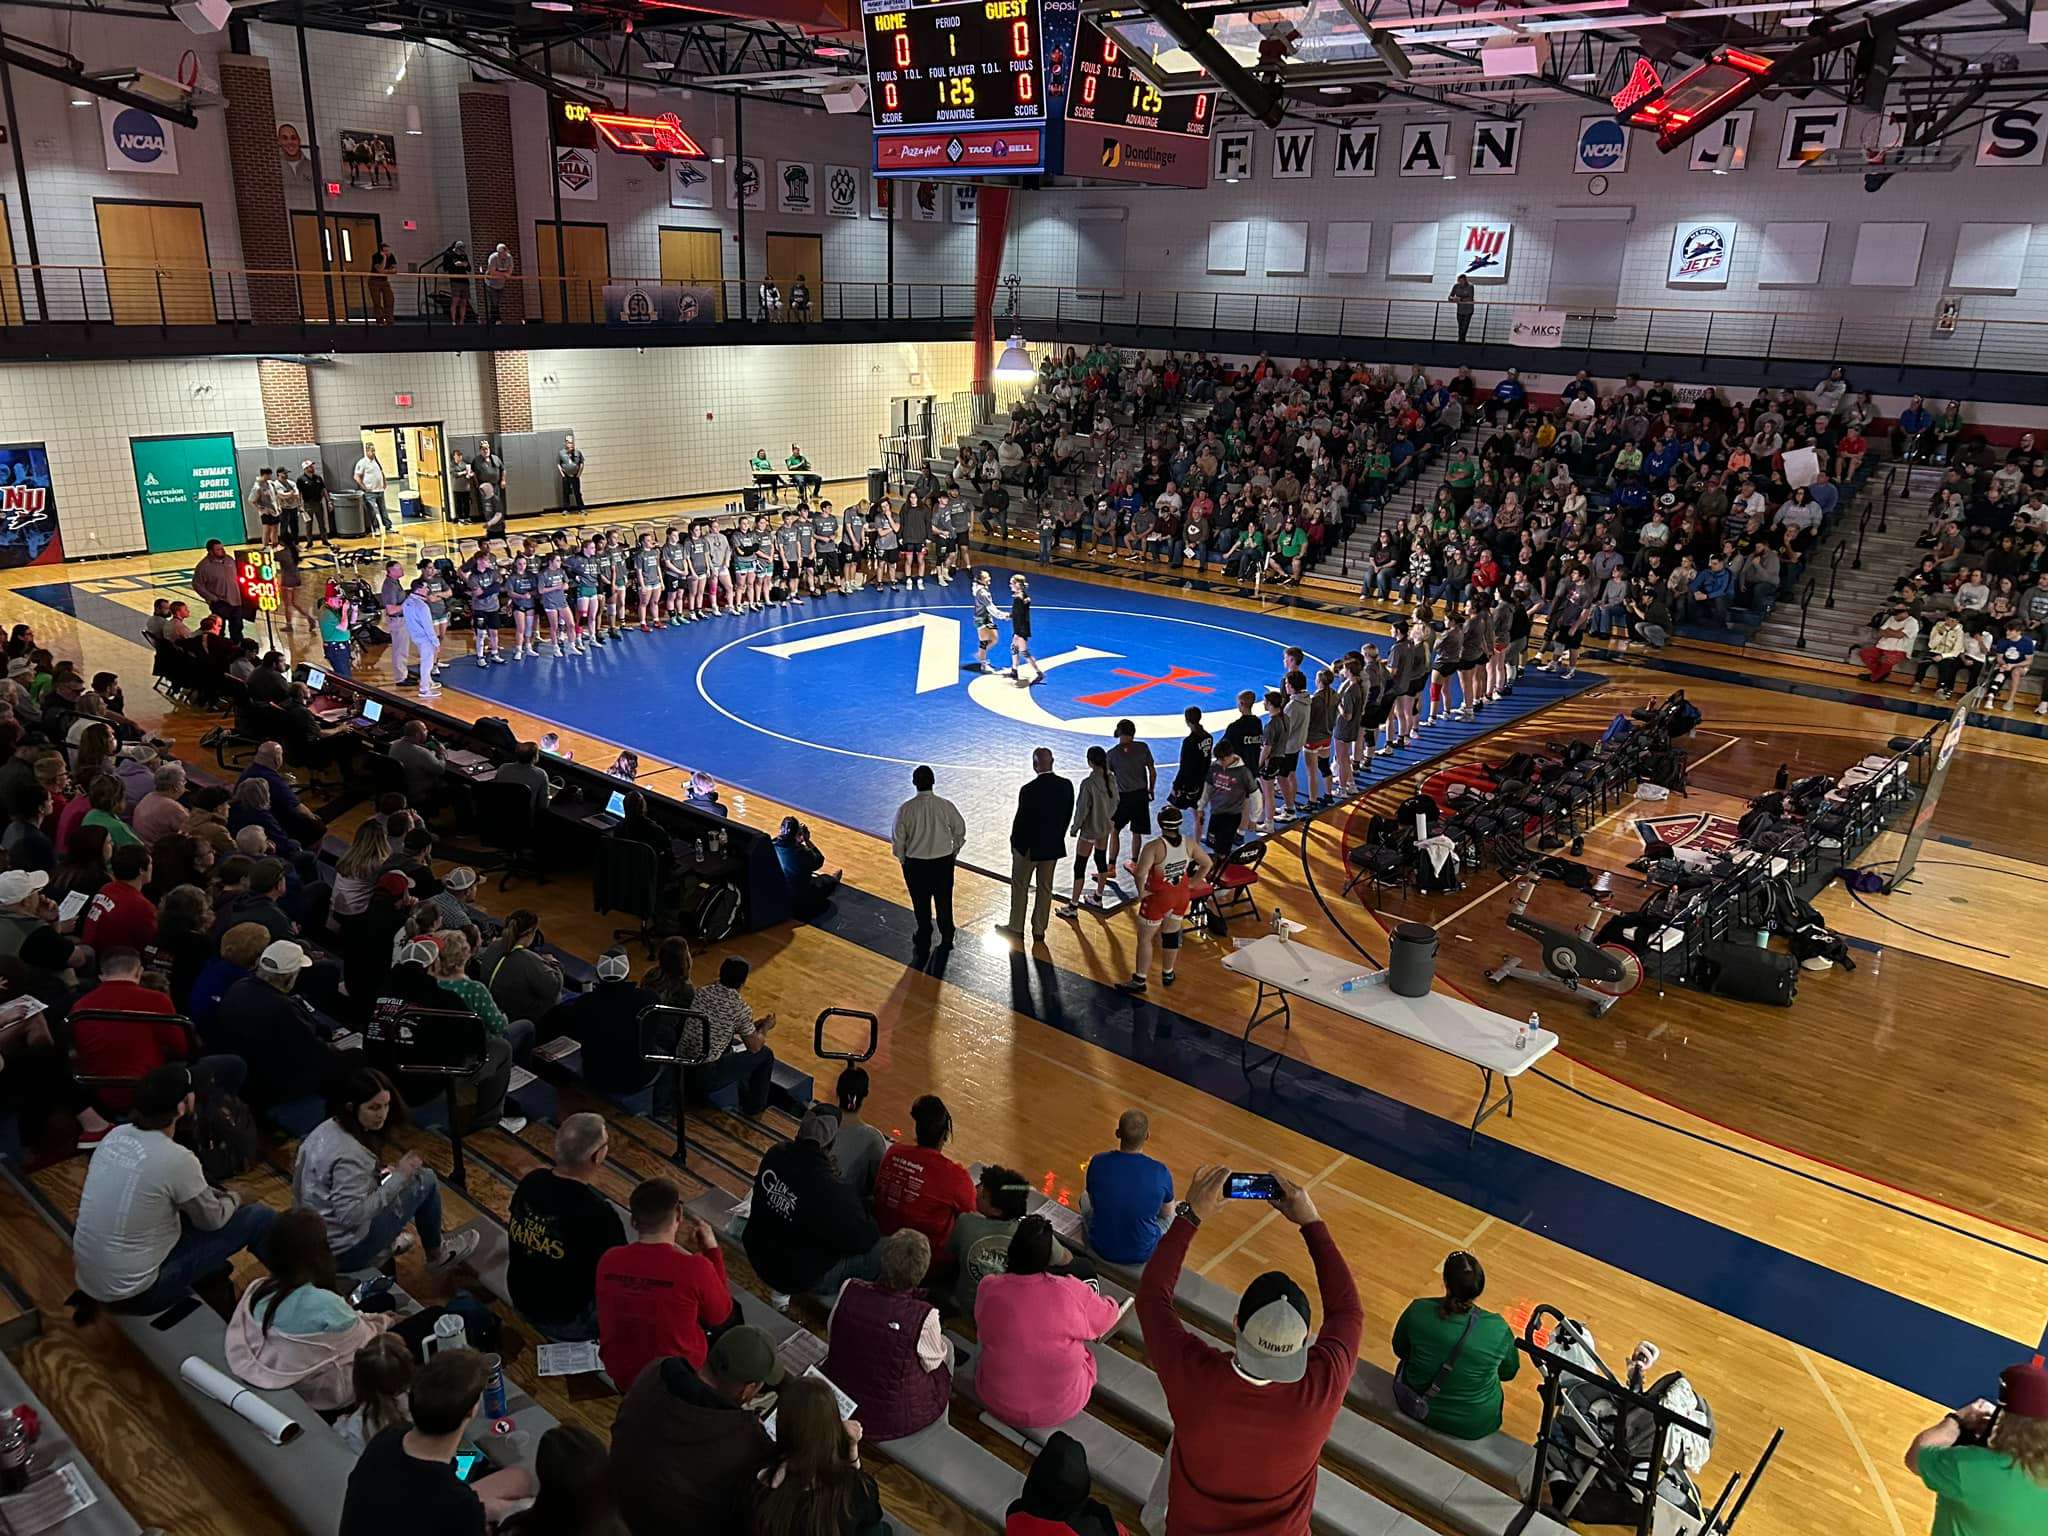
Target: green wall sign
{"points": [[189, 489]]}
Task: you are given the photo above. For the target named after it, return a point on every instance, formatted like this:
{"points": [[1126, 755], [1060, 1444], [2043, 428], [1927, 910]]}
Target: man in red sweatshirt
{"points": [[1249, 1426]]}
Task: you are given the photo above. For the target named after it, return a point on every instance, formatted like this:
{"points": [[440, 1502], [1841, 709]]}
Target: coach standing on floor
{"points": [[927, 838], [1038, 842], [569, 465], [213, 578]]}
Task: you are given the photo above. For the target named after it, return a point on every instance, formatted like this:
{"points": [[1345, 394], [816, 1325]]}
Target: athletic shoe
{"points": [[429, 693], [559, 653], [1135, 987], [1166, 978], [455, 1247], [1067, 911]]}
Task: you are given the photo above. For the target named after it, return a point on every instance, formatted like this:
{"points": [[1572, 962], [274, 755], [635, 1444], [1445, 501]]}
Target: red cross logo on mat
{"points": [[1173, 677]]}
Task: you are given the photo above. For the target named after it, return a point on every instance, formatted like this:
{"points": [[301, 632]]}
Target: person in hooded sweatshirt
{"points": [[806, 1228], [1057, 1500]]}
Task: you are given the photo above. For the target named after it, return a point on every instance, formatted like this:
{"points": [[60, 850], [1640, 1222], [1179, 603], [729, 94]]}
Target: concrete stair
{"points": [[1888, 552]]}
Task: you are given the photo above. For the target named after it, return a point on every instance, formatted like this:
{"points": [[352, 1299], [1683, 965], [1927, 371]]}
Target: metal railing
{"points": [[173, 296]]}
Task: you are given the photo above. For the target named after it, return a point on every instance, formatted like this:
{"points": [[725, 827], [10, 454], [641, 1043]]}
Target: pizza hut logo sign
{"points": [[1702, 251]]}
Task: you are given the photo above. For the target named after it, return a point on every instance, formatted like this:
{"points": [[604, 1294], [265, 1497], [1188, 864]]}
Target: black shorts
{"points": [[1446, 668], [1186, 796], [1414, 689], [830, 560], [911, 546], [1282, 765], [1133, 810]]}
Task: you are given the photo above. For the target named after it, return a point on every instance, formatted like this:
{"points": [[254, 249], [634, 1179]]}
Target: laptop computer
{"points": [[613, 813], [373, 711], [315, 679]]}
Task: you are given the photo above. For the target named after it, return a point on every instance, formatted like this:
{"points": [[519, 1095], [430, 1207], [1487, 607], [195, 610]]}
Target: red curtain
{"points": [[992, 222]]}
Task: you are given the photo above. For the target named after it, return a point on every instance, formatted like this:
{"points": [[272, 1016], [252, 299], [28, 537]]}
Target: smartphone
{"points": [[470, 1461], [1251, 1186], [376, 1285]]}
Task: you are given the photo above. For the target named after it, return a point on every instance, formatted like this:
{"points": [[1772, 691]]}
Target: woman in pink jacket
{"points": [[1035, 1369]]}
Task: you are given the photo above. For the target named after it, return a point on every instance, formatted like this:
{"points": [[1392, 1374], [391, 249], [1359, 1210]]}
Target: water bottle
{"points": [[1279, 923], [1525, 1031], [697, 851], [1359, 982], [448, 1334]]}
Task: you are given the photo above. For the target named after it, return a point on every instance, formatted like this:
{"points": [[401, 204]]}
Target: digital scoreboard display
{"points": [[954, 64], [1108, 92]]}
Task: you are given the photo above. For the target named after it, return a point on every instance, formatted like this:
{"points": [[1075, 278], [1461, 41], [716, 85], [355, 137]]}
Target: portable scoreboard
{"points": [[1106, 91], [956, 87]]}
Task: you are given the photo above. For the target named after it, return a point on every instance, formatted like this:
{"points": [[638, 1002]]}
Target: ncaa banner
{"points": [[1700, 253], [1602, 147], [138, 141], [1537, 328]]}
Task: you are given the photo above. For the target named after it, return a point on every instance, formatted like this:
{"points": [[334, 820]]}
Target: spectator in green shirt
{"points": [[1467, 1390], [1999, 1488]]}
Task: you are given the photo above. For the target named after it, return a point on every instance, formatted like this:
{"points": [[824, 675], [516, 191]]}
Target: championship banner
{"points": [[29, 534], [659, 304]]}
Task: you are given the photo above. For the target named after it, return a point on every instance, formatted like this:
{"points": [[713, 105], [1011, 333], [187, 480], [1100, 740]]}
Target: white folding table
{"points": [[1286, 970]]}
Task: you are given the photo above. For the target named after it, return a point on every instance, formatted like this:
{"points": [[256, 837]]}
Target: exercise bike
{"points": [[1574, 963]]}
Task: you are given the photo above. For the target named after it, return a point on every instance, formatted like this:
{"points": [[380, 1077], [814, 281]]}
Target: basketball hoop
{"points": [[188, 70]]}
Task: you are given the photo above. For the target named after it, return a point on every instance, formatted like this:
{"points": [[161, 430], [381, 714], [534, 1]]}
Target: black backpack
{"points": [[223, 1136]]}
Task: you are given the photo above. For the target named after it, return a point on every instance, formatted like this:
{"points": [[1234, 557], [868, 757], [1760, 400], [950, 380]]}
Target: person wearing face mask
{"points": [[1172, 875]]}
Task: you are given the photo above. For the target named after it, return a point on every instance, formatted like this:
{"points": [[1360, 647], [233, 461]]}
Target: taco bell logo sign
{"points": [[136, 140]]}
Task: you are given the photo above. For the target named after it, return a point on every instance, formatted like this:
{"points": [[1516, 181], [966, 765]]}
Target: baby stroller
{"points": [[1601, 1453]]}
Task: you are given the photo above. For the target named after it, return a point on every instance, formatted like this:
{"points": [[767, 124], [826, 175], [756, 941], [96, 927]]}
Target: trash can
{"points": [[878, 485], [1411, 959], [351, 519]]}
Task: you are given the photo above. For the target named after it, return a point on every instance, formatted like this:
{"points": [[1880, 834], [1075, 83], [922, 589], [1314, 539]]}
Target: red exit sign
{"points": [[403, 399]]}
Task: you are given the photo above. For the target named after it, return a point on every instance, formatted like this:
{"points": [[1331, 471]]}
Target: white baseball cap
{"points": [[282, 958], [17, 885]]}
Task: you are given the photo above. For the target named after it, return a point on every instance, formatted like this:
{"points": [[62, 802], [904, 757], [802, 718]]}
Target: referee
{"points": [[927, 839]]}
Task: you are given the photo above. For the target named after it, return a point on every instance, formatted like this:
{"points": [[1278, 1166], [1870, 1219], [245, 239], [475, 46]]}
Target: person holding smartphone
{"points": [[1248, 1425], [1988, 1464]]}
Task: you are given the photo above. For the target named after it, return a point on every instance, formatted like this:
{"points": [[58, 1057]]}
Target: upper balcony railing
{"points": [[424, 304]]}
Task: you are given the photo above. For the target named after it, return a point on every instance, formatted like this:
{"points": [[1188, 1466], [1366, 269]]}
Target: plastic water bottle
{"points": [[1357, 983], [1279, 923], [1522, 1035]]}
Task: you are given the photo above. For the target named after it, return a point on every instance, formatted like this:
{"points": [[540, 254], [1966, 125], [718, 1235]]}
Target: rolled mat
{"points": [[277, 1428]]}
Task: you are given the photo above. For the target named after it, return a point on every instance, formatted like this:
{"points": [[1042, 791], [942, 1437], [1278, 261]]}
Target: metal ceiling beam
{"points": [[71, 73]]}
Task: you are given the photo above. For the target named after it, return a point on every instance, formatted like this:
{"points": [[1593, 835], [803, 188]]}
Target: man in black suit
{"points": [[1038, 841]]}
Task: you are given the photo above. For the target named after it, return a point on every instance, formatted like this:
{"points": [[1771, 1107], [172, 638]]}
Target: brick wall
{"points": [[492, 185], [287, 402], [259, 189], [510, 402]]}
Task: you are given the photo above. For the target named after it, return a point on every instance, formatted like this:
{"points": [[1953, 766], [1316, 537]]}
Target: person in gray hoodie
{"points": [[365, 1211]]}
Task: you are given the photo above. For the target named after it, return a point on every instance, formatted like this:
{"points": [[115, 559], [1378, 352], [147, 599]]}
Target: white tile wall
{"points": [[86, 412], [674, 420], [1168, 229]]}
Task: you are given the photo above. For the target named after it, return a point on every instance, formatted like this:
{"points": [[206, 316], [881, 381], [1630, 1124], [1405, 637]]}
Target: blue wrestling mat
{"points": [[828, 706]]}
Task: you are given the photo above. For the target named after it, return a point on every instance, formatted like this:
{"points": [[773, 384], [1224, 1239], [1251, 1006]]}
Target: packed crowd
{"points": [[1974, 609], [1625, 513]]}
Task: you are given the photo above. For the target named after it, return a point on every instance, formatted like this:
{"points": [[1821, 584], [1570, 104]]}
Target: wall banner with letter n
{"points": [[1483, 251], [1496, 147], [1424, 147], [1294, 154], [29, 534], [2015, 136], [1537, 328], [1233, 160], [1358, 151]]}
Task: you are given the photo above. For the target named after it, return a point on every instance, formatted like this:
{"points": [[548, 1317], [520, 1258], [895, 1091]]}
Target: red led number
{"points": [[1201, 108], [903, 50], [1109, 51], [1087, 90], [1024, 87], [891, 99], [1020, 39]]}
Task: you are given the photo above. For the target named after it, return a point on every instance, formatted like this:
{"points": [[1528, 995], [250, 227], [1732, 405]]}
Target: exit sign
{"points": [[334, 189], [403, 400]]}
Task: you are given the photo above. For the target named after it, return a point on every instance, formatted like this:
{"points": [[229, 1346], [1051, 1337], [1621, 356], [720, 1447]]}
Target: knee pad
{"points": [[1081, 864], [1170, 939], [1101, 860]]}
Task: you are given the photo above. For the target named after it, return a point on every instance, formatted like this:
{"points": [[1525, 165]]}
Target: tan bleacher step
{"points": [[105, 1516]]}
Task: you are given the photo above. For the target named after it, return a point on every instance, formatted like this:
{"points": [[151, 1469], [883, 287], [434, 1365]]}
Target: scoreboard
{"points": [[956, 87], [1107, 92]]}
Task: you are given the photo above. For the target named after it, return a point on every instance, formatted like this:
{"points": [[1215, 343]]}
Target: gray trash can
{"points": [[1411, 959]]}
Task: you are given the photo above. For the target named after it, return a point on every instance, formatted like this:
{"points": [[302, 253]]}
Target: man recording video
{"points": [[1988, 1465]]}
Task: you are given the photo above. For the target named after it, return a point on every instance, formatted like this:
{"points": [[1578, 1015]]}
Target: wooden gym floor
{"points": [[1828, 1216]]}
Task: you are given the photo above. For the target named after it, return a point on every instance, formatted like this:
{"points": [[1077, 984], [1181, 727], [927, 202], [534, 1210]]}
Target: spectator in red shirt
{"points": [[1249, 1426], [655, 1299], [136, 1047], [920, 1187], [120, 916]]}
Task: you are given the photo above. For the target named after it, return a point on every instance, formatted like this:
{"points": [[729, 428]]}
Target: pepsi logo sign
{"points": [[1603, 146], [140, 137]]}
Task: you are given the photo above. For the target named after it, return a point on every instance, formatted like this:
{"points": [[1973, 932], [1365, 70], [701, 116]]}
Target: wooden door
{"points": [[586, 267], [350, 241], [427, 477], [697, 257], [157, 269], [10, 277], [798, 256]]}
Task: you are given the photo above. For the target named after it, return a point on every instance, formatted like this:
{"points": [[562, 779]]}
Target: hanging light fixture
{"points": [[413, 126], [718, 149], [1015, 365]]}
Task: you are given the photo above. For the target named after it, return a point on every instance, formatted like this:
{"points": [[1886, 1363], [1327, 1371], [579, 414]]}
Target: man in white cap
{"points": [[25, 910], [273, 1032], [1249, 1426]]}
